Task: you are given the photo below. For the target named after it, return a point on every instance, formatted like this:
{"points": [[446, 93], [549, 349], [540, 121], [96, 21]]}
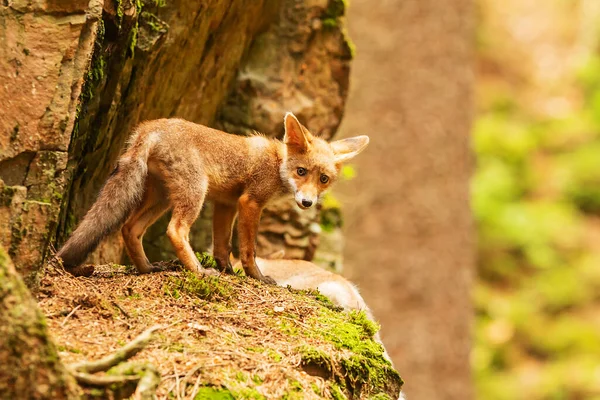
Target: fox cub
{"points": [[305, 275], [175, 164]]}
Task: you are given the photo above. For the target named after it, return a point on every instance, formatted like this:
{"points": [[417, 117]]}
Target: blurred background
{"points": [[534, 193]]}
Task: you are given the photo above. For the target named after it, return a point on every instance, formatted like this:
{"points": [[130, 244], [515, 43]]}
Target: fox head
{"points": [[310, 163]]}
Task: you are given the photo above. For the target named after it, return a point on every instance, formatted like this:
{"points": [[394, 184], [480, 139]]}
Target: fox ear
{"points": [[346, 149], [295, 134]]}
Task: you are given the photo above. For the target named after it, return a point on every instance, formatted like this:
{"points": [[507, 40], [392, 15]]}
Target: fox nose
{"points": [[306, 203]]}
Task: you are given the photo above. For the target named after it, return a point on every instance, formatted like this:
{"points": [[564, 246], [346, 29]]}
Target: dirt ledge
{"points": [[227, 337]]}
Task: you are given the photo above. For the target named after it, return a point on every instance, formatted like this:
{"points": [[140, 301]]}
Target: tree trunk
{"points": [[31, 367], [408, 224]]}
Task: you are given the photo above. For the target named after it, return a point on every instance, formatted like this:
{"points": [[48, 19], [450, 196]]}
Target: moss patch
{"points": [[365, 370], [206, 288], [211, 393], [335, 10]]}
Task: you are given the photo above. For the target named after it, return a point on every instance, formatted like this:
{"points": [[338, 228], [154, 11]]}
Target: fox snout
{"points": [[305, 200]]}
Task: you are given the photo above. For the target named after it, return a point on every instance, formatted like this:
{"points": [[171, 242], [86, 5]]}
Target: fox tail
{"points": [[121, 193]]}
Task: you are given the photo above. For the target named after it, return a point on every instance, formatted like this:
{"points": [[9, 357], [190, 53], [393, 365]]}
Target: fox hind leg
{"points": [[187, 204], [153, 205]]}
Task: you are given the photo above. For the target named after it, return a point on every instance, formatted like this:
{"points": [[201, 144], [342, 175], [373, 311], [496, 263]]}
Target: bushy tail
{"points": [[121, 193]]}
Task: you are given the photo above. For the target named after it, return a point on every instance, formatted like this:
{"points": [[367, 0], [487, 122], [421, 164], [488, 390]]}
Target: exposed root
{"points": [[123, 354], [93, 380], [145, 377]]}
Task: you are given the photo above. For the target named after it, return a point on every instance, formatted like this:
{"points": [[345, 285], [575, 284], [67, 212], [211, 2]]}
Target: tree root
{"points": [[124, 378], [93, 380]]}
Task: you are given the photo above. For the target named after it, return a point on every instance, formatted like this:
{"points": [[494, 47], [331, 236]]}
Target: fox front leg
{"points": [[249, 217]]}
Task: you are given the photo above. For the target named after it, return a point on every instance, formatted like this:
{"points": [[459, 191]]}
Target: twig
{"points": [[176, 380], [196, 386], [60, 313], [124, 353], [125, 313], [69, 315], [93, 380]]}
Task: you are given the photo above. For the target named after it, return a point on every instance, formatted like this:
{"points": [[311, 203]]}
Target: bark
{"points": [[31, 367], [407, 220]]}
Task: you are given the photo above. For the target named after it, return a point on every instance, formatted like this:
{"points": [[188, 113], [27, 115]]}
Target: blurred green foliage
{"points": [[536, 200]]}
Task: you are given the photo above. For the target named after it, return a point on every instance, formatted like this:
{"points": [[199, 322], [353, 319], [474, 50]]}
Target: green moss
{"points": [[366, 370], [96, 392], [175, 348], [212, 393], [96, 70], [119, 12], [204, 287], [6, 195], [335, 9], [273, 355], [206, 260], [17, 233], [335, 392], [351, 47], [247, 393], [324, 300], [256, 349], [148, 18], [330, 23], [315, 389], [313, 357], [331, 213], [240, 376], [380, 396], [295, 391], [133, 36], [153, 22]]}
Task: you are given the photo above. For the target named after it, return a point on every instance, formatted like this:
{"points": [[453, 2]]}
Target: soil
{"points": [[227, 334]]}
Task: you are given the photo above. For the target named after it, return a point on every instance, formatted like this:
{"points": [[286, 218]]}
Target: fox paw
{"points": [[225, 267], [268, 280], [82, 270], [208, 271]]}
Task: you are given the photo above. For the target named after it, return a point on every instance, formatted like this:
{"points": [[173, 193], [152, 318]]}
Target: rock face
{"points": [[78, 76], [44, 53]]}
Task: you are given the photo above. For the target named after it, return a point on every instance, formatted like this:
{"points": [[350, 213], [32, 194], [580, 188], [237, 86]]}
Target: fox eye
{"points": [[301, 171], [324, 178]]}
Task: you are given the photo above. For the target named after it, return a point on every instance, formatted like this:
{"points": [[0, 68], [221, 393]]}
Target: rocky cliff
{"points": [[78, 76]]}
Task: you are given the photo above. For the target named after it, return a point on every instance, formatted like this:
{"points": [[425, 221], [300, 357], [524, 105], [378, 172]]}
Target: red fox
{"points": [[176, 164]]}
